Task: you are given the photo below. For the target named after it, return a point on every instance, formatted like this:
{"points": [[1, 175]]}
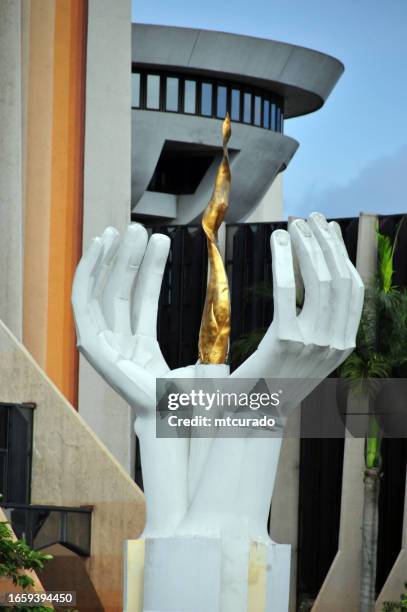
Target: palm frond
{"points": [[260, 290], [244, 346], [385, 261]]}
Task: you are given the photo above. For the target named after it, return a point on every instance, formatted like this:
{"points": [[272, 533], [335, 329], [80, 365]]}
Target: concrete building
{"points": [[183, 83], [54, 156]]}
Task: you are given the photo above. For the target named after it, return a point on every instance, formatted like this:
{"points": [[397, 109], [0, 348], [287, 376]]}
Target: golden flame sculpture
{"points": [[215, 324]]}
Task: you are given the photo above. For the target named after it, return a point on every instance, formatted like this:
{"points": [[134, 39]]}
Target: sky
{"points": [[353, 152]]}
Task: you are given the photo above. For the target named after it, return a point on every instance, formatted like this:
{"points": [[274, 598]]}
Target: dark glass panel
{"points": [[135, 89], [3, 478], [3, 426], [171, 97], [273, 117], [235, 110], [206, 99], [221, 102], [257, 110], [153, 91], [190, 97], [247, 107], [266, 114]]}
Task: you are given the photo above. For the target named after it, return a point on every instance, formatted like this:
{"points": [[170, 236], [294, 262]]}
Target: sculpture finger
{"points": [[285, 313], [110, 240], [82, 287], [148, 285], [121, 279], [341, 285], [358, 290], [315, 315]]}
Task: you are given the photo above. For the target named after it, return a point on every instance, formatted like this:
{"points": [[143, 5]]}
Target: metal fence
{"points": [[182, 295], [42, 526]]}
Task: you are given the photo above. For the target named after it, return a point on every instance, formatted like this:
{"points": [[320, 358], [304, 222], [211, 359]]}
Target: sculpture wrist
{"points": [[164, 464]]}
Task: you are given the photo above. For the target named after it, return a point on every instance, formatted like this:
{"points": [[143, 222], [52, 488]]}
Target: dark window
{"points": [[257, 110], [277, 119], [206, 99], [171, 97], [181, 167], [235, 110], [221, 102], [266, 114], [281, 121], [135, 89], [16, 422], [3, 472], [247, 107], [153, 91], [190, 97], [273, 117], [3, 429]]}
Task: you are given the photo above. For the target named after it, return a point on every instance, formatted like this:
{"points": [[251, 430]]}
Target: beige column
{"points": [[11, 214], [340, 591], [39, 17], [107, 183], [54, 36]]}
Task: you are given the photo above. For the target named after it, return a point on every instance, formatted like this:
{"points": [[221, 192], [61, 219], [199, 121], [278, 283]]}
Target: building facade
{"points": [[183, 83]]}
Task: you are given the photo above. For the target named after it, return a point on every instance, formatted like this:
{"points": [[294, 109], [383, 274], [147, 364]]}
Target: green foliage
{"points": [[386, 257], [27, 609], [373, 457], [382, 337], [16, 558], [393, 606], [244, 346], [260, 290], [306, 605], [385, 268]]}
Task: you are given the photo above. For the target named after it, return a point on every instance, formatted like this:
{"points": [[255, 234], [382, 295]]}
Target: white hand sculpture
{"points": [[115, 300]]}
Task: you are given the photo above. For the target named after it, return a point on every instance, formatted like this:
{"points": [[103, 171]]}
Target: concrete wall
{"points": [[256, 156], [11, 214], [271, 207], [107, 182], [71, 467], [302, 76]]}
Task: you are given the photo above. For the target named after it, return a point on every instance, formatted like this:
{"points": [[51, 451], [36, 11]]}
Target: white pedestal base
{"points": [[205, 574]]}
